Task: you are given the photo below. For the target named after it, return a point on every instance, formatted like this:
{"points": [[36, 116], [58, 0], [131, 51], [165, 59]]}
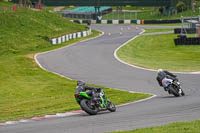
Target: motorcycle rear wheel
{"points": [[90, 109]]}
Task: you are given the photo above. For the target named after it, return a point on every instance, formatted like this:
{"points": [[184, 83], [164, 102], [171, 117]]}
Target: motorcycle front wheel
{"points": [[88, 108], [174, 91], [111, 107], [182, 93]]}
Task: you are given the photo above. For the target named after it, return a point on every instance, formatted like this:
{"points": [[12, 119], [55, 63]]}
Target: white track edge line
{"points": [[137, 101], [70, 113], [147, 69], [35, 57], [57, 114]]}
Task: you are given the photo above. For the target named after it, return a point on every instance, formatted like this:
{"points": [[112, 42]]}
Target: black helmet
{"points": [[80, 83]]}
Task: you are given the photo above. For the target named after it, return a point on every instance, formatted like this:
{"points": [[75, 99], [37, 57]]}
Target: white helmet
{"points": [[159, 70]]}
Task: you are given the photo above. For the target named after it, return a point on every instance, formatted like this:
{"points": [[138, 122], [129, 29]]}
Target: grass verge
{"points": [[157, 30], [178, 127], [25, 89], [171, 24], [159, 51], [27, 30]]}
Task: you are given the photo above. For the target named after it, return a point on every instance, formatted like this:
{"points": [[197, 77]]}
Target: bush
{"points": [[161, 10], [180, 6]]}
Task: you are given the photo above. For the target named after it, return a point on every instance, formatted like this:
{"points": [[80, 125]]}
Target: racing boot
{"points": [[180, 91], [92, 102]]}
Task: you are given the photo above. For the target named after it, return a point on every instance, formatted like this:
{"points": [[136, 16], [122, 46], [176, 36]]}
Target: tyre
{"points": [[85, 105], [183, 93], [111, 107], [174, 91]]}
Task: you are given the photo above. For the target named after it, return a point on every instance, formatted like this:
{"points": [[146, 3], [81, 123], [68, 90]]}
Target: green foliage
{"points": [[180, 6], [152, 13], [147, 15], [187, 2]]}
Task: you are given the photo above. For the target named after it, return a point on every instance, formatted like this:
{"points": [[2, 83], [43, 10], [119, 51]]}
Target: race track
{"points": [[93, 61]]}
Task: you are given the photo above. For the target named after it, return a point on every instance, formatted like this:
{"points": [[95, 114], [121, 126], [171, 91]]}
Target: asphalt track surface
{"points": [[93, 61]]}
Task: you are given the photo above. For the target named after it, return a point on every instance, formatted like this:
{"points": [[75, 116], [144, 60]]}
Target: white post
{"points": [[74, 35], [54, 41], [79, 34], [84, 33], [59, 40], [70, 36], [67, 37], [63, 39]]}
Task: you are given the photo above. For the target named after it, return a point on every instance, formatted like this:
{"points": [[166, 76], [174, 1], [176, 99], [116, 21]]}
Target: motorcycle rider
{"points": [[162, 74], [93, 91]]}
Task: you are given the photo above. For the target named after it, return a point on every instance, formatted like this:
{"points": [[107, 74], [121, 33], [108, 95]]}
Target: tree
{"points": [[193, 3], [20, 2], [180, 6], [39, 2]]}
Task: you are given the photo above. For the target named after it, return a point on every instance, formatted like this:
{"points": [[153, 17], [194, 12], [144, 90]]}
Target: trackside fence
{"points": [[67, 37], [127, 21]]}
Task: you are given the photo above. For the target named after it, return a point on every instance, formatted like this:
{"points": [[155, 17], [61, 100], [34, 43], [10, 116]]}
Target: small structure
{"points": [[194, 27], [87, 12], [190, 29], [192, 23]]}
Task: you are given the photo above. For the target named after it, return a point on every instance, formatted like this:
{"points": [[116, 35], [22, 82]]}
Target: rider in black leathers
{"points": [[164, 74], [93, 91]]}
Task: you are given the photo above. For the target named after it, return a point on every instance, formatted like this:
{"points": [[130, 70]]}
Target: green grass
{"points": [[186, 25], [179, 127], [25, 89], [192, 35], [157, 30], [159, 51], [30, 30], [171, 24]]}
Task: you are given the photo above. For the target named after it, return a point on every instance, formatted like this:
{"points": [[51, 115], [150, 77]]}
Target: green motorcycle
{"points": [[92, 107]]}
